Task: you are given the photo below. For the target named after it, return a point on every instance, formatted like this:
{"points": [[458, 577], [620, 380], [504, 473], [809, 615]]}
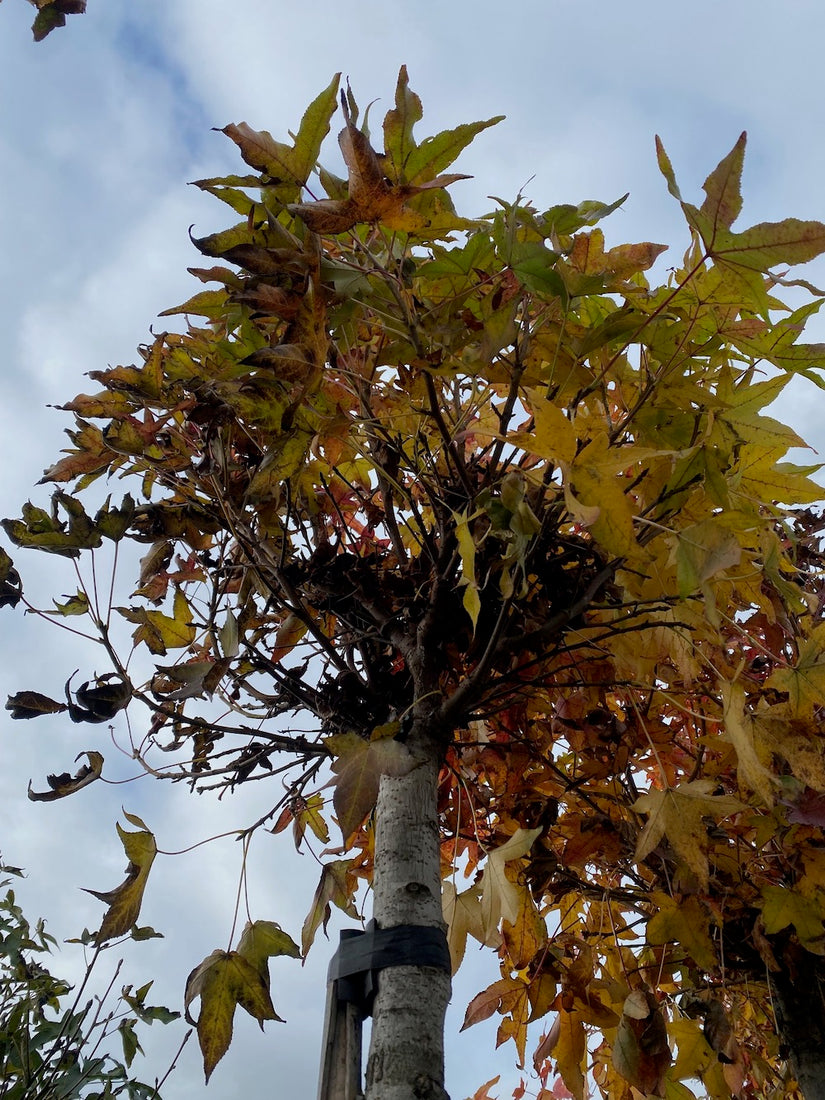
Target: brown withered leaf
{"points": [[98, 700], [271, 300], [31, 704], [808, 809], [11, 587], [63, 785], [258, 260], [719, 1033], [640, 1052], [371, 195]]}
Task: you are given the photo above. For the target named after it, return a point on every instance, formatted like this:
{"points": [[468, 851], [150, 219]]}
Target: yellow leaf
{"points": [[223, 981], [678, 815], [527, 934], [594, 482], [805, 754], [263, 939], [125, 900], [585, 514], [570, 1051], [761, 476], [336, 887], [514, 1026], [359, 765], [467, 551], [723, 188], [161, 632], [500, 897], [289, 633], [554, 436], [739, 728], [805, 681], [781, 907], [694, 1053], [311, 815], [685, 922], [462, 912]]}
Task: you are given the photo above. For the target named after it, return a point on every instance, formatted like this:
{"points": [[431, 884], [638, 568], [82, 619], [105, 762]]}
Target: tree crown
{"points": [[474, 487]]}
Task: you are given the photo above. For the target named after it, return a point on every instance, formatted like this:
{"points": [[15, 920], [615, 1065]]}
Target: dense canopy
{"points": [[474, 492]]}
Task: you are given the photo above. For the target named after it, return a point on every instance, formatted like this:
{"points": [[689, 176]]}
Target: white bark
{"points": [[406, 1059]]}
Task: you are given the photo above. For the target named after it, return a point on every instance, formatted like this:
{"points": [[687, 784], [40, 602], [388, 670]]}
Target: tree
{"points": [[51, 1043], [513, 526]]}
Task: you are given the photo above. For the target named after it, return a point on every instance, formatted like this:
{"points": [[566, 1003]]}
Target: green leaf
{"points": [[399, 143], [260, 150], [206, 303], [313, 129], [52, 14], [666, 168], [74, 605], [129, 1040], [765, 245], [538, 272], [39, 530], [703, 550], [434, 154], [723, 188], [566, 219]]}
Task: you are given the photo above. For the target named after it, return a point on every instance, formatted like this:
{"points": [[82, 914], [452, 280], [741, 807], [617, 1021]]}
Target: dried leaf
{"points": [[640, 1051], [31, 704], [63, 785]]}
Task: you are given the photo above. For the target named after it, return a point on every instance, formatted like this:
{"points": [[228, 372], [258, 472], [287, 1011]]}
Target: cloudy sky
{"points": [[101, 128]]}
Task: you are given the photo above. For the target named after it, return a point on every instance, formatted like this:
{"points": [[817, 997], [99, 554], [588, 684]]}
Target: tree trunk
{"points": [[406, 1058], [799, 991]]}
